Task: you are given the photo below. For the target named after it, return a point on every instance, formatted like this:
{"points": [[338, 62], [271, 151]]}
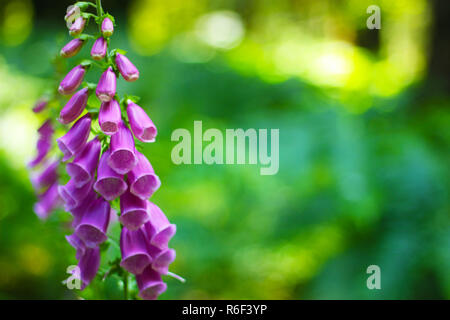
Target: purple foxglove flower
{"points": [[47, 177], [142, 178], [74, 107], [159, 230], [43, 147], [73, 196], [75, 139], [77, 27], [109, 183], [78, 244], [39, 106], [89, 264], [82, 169], [150, 284], [133, 211], [162, 258], [107, 27], [109, 117], [133, 246], [46, 130], [78, 211], [94, 223], [98, 50], [128, 71], [71, 48], [141, 125], [122, 158], [72, 80], [106, 87], [48, 201]]}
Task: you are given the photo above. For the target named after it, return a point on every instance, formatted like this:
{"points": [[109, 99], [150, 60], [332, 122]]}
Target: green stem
{"points": [[99, 13], [125, 285]]}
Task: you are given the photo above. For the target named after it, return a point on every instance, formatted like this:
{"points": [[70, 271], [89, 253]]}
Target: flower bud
{"points": [[123, 157], [107, 27], [77, 27], [75, 139], [98, 50], [72, 80], [128, 71], [109, 117], [72, 48], [106, 88], [74, 107], [141, 125]]}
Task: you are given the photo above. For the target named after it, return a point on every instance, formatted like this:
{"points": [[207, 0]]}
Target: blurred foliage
{"points": [[364, 176]]}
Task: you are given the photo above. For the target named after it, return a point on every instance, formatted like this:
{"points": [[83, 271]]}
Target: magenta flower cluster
{"points": [[106, 167]]}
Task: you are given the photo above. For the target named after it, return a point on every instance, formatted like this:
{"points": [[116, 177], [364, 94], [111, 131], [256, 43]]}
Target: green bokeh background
{"points": [[364, 146]]}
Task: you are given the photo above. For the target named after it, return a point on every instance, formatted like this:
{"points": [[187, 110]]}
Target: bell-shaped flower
{"points": [[106, 87], [89, 264], [72, 48], [72, 80], [78, 211], [82, 169], [159, 230], [109, 117], [78, 244], [75, 139], [94, 223], [43, 144], [98, 50], [141, 125], [109, 183], [161, 258], [48, 201], [74, 107], [107, 27], [142, 178], [150, 284], [133, 246], [73, 196], [123, 157], [133, 211], [128, 71]]}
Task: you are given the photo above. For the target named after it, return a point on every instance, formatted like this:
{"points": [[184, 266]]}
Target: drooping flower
{"points": [[150, 284], [133, 211], [72, 80], [161, 259], [74, 107], [109, 183], [133, 246], [109, 117], [82, 169], [123, 157], [89, 264], [47, 177], [77, 27], [78, 245], [142, 178], [48, 201], [72, 48], [107, 27], [106, 87], [94, 223], [159, 230], [43, 144], [128, 71], [73, 196], [98, 50], [141, 125], [40, 105], [74, 140], [79, 210]]}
